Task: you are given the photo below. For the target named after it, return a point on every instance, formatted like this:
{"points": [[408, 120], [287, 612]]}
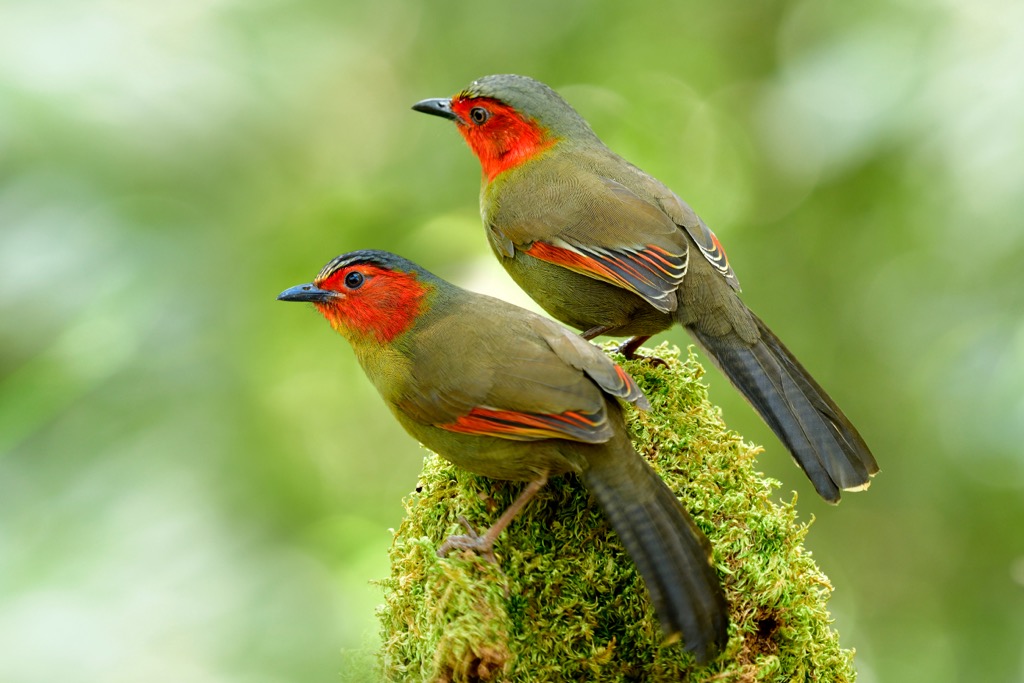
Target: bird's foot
{"points": [[484, 545], [481, 545], [654, 361]]}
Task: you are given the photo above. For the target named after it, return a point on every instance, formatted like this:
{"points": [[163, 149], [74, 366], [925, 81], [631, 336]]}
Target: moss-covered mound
{"points": [[565, 602]]}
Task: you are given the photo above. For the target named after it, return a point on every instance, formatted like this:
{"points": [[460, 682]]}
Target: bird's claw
{"points": [[653, 361], [471, 541]]}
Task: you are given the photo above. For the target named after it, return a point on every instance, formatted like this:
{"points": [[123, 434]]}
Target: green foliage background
{"points": [[196, 481]]}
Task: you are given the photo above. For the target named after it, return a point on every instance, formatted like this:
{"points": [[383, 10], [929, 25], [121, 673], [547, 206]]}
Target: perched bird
{"points": [[509, 394], [608, 249]]}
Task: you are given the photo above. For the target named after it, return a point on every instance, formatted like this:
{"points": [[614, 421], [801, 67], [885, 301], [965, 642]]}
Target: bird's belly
{"points": [[584, 302], [501, 458]]}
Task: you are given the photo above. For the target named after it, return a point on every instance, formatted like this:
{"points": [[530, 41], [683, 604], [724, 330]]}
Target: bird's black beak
{"points": [[307, 292], [438, 106]]}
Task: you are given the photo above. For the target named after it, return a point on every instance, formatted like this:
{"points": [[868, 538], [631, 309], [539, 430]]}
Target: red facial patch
{"points": [[384, 306], [504, 140]]}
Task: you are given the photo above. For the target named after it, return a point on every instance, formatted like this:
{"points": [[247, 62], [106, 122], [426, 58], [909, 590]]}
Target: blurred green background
{"points": [[196, 481]]}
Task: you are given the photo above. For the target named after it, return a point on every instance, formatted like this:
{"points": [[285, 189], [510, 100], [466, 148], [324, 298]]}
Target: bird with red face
{"points": [[509, 394], [610, 250]]}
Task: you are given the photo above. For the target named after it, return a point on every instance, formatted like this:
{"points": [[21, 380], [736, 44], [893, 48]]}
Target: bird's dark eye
{"points": [[479, 115], [354, 280]]}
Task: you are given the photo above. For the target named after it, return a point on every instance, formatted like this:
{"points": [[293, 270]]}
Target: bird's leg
{"points": [[484, 545], [629, 347], [595, 331]]}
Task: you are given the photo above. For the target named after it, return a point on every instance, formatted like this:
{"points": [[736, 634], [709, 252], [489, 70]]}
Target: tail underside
{"points": [[670, 552], [824, 443]]}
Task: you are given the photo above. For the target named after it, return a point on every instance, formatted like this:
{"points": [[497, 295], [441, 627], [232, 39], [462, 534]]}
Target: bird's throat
{"points": [[506, 143], [386, 307]]}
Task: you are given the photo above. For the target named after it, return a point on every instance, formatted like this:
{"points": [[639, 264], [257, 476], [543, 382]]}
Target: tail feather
{"points": [[670, 552], [824, 443]]}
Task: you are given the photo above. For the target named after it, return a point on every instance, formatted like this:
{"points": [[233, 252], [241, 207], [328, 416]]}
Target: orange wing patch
{"points": [[629, 391], [574, 425], [650, 272]]}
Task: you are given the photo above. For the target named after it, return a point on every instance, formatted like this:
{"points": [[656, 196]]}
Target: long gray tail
{"points": [[823, 441], [671, 553]]}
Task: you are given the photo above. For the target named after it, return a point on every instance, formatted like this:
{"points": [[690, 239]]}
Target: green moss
{"points": [[565, 602]]}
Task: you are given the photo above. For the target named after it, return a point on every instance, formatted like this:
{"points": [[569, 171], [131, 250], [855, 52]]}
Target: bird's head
{"points": [[508, 119], [368, 296]]}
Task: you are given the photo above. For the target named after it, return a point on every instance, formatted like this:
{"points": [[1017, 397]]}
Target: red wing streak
{"points": [[650, 272], [574, 425], [717, 254], [713, 251], [629, 391]]}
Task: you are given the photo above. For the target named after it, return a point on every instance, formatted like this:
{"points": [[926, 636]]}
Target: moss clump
{"points": [[566, 604]]}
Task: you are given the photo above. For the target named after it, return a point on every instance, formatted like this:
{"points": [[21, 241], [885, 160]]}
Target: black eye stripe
{"points": [[371, 258]]}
